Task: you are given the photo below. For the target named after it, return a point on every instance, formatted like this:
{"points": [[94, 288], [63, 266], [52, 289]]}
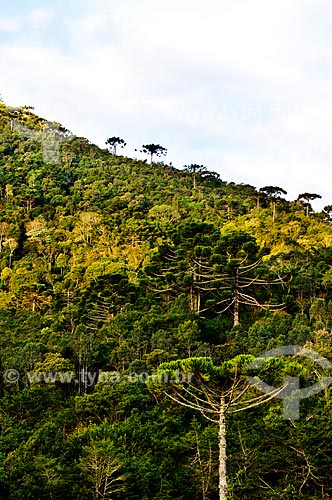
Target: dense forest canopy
{"points": [[109, 268]]}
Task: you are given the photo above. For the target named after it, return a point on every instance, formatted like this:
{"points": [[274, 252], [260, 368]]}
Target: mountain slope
{"points": [[109, 265]]}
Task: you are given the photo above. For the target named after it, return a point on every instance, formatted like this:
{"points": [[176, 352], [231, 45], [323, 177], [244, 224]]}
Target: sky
{"points": [[243, 87]]}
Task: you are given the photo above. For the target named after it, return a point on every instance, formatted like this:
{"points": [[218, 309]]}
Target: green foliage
{"points": [[111, 267]]}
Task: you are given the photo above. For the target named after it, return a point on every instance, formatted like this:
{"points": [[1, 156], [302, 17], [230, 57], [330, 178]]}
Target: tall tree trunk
{"points": [[222, 451], [191, 296], [236, 309], [236, 300], [197, 293], [198, 302]]}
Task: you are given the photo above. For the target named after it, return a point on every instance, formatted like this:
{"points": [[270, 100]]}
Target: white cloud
{"points": [[40, 17], [9, 25]]}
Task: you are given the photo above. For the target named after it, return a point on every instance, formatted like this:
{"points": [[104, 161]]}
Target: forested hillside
{"points": [[110, 267]]}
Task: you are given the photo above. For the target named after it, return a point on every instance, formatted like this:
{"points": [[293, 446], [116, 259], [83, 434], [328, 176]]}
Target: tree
{"points": [[327, 211], [12, 244], [4, 227], [153, 149], [202, 172], [203, 462], [217, 273], [308, 197], [115, 142], [273, 192], [177, 267], [103, 469], [194, 169], [13, 114], [214, 391], [240, 274]]}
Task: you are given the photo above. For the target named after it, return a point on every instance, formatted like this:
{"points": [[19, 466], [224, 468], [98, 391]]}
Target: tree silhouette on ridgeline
{"points": [[202, 172], [195, 170], [153, 149], [273, 193], [114, 142], [327, 211], [308, 197]]}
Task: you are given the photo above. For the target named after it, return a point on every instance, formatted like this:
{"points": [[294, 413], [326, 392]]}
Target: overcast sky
{"points": [[243, 86]]}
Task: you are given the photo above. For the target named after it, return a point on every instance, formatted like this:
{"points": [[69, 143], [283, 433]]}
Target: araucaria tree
{"points": [[308, 197], [214, 391], [153, 149], [240, 280], [273, 193], [114, 142], [216, 272], [195, 170]]}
